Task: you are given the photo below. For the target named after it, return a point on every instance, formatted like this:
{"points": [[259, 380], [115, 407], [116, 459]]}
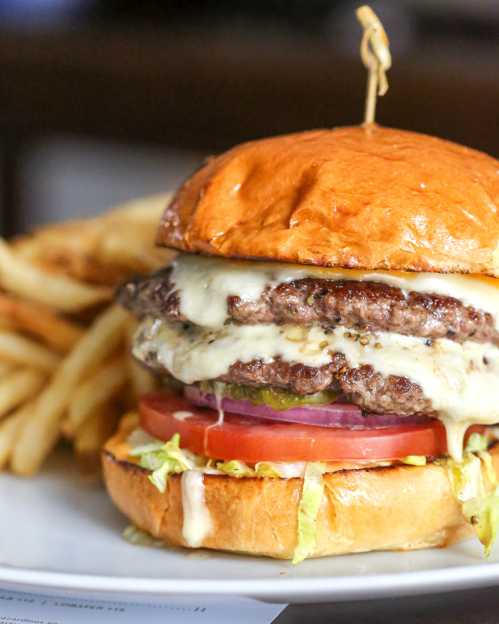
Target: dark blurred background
{"points": [[102, 101]]}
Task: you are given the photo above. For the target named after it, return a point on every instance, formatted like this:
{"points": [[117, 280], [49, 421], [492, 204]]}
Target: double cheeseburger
{"points": [[328, 339]]}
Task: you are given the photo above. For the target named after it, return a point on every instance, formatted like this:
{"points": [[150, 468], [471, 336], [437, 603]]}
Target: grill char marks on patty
{"points": [[370, 306], [363, 386]]}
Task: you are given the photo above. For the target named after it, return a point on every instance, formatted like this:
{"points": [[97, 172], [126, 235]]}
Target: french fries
{"points": [[65, 368], [17, 387], [40, 434], [10, 429], [57, 291], [104, 250], [19, 350], [92, 435], [141, 380], [5, 367], [95, 391], [39, 321]]}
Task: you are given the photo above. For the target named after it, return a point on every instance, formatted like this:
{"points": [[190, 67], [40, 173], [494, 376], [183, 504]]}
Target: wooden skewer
{"points": [[375, 54]]}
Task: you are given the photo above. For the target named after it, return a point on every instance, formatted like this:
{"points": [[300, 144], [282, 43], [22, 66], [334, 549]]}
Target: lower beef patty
{"points": [[362, 386], [358, 305]]}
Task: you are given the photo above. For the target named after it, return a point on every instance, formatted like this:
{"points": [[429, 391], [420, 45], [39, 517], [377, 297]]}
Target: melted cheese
{"points": [[197, 523], [193, 354], [459, 379], [205, 283]]}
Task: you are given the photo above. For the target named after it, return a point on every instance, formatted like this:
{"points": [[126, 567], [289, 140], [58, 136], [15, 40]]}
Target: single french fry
{"points": [[66, 432], [5, 367], [40, 434], [92, 435], [10, 429], [96, 390], [20, 350], [6, 323], [142, 381], [125, 247], [19, 277], [17, 387], [40, 321]]}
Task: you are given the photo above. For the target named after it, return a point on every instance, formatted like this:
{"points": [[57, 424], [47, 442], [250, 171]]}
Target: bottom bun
{"points": [[386, 508]]}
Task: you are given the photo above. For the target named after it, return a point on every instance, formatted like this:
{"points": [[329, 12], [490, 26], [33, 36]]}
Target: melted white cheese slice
{"points": [[205, 283]]}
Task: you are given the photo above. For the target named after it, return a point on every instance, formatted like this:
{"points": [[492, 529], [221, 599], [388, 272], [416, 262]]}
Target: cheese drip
{"points": [[459, 379], [197, 520], [205, 283]]}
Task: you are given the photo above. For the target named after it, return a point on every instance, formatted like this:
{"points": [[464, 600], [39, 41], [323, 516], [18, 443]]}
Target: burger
{"points": [[328, 344]]}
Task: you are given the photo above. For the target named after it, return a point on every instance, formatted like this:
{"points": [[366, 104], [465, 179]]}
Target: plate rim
{"points": [[333, 587]]}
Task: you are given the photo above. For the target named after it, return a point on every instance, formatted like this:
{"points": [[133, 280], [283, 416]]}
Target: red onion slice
{"points": [[344, 415]]}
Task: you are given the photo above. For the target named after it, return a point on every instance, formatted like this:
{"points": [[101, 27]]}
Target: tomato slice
{"points": [[251, 440]]}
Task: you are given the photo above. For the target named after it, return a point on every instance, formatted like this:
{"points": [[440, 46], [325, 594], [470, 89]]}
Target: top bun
{"points": [[359, 197]]}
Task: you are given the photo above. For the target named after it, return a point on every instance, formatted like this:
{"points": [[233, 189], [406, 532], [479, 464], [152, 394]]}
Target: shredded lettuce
{"points": [[414, 460], [489, 467], [483, 514], [164, 459], [268, 469], [474, 484], [138, 537], [235, 468], [308, 509], [477, 443], [466, 478]]}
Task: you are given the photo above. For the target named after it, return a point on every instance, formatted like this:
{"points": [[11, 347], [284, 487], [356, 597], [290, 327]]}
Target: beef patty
{"points": [[368, 306], [363, 385]]}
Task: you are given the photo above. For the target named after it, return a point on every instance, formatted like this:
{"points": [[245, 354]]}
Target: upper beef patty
{"points": [[369, 306]]}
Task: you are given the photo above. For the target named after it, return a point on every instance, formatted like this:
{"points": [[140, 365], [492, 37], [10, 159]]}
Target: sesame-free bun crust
{"points": [[357, 197], [392, 508]]}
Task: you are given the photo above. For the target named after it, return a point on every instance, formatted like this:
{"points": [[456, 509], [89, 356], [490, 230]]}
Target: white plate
{"points": [[58, 532]]}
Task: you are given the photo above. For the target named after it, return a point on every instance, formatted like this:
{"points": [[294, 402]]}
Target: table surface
{"points": [[477, 606]]}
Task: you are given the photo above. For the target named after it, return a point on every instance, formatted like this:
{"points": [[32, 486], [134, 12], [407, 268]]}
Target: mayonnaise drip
{"points": [[203, 284], [219, 394], [197, 523]]}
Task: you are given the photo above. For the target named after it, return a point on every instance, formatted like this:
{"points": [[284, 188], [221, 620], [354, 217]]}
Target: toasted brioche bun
{"points": [[359, 197], [392, 508]]}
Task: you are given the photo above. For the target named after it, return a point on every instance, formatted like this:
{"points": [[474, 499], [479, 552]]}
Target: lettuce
{"points": [[414, 460], [489, 467], [164, 459], [138, 537], [483, 514], [268, 469], [479, 496], [477, 443], [308, 509], [235, 468]]}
